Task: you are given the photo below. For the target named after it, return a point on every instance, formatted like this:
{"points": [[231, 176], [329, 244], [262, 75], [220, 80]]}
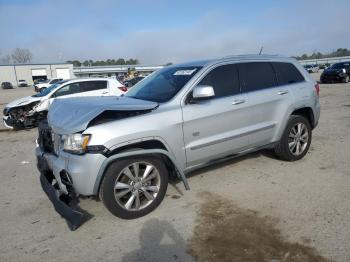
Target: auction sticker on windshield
{"points": [[184, 72]]}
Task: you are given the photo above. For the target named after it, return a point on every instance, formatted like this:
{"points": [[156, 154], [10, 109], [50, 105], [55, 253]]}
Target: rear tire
{"points": [[125, 190], [296, 139]]}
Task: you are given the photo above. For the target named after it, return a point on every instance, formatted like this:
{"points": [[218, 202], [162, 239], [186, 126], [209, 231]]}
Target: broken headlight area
{"points": [[75, 143], [24, 116]]}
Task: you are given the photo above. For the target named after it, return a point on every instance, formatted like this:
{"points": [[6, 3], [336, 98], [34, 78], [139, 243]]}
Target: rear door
{"points": [[94, 88], [215, 127], [267, 101]]}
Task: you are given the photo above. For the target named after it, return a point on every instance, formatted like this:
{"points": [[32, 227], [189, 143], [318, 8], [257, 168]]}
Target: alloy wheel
{"points": [[298, 139], [137, 186]]}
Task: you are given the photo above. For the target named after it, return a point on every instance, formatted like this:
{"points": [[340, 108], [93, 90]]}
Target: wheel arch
{"points": [[306, 112], [165, 155]]}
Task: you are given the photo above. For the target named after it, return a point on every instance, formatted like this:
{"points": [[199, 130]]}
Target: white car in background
{"points": [[27, 112], [45, 84]]}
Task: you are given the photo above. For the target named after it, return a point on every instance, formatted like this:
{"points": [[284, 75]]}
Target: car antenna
{"points": [[261, 49]]}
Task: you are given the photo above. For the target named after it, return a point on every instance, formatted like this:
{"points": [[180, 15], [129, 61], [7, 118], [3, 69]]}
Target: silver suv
{"points": [[180, 118]]}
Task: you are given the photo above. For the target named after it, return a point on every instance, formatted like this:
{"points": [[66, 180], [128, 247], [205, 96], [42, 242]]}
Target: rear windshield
{"points": [[163, 85]]}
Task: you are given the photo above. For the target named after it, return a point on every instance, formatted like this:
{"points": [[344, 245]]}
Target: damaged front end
{"points": [[22, 117], [63, 198]]}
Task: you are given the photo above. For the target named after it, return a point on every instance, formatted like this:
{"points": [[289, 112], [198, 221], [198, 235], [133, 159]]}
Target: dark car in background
{"points": [[6, 85], [339, 72], [133, 81]]}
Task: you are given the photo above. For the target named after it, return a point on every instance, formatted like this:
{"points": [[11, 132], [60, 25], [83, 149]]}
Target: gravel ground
{"points": [[304, 205]]}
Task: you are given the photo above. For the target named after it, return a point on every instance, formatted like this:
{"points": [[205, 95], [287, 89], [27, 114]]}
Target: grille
{"points": [[45, 138]]}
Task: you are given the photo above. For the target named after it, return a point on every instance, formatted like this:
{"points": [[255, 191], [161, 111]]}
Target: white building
{"points": [[29, 72], [114, 70]]}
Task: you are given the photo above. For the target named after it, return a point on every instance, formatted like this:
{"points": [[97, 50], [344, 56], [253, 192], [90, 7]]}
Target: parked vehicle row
{"points": [[339, 72], [45, 83], [27, 112], [178, 119], [133, 81], [312, 68], [8, 85]]}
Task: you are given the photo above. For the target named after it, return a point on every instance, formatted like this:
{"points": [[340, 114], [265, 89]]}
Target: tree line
{"points": [[318, 55], [119, 61], [17, 56]]}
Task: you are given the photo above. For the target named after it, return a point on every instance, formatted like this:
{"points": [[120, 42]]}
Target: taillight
{"points": [[123, 88], [317, 88]]}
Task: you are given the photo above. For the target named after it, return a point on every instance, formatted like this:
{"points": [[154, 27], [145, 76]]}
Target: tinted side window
{"points": [[287, 73], [256, 76], [68, 90], [224, 80], [92, 85]]}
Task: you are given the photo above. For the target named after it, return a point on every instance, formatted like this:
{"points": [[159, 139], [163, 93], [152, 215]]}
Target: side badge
{"points": [[196, 134]]}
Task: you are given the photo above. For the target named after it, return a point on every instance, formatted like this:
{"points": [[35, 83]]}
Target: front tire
{"points": [[346, 79], [296, 139], [134, 187]]}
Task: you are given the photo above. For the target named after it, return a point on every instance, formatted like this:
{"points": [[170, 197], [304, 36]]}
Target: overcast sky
{"points": [[157, 32]]}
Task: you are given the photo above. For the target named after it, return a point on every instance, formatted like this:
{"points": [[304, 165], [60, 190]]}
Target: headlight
{"points": [[75, 143], [6, 111]]}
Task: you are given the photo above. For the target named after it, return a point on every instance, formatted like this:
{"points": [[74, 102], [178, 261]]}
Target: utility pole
{"points": [[14, 68], [261, 49]]}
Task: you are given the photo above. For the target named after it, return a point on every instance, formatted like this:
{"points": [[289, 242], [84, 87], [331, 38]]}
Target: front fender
{"points": [[112, 158]]}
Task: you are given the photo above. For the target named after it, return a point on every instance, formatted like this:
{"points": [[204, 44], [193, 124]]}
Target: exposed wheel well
{"points": [[149, 144], [307, 113]]}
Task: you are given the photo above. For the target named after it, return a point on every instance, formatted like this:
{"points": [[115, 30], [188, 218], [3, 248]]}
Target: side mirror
{"points": [[203, 92]]}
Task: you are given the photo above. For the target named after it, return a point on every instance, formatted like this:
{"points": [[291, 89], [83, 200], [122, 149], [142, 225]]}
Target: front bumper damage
{"points": [[22, 117], [65, 204]]}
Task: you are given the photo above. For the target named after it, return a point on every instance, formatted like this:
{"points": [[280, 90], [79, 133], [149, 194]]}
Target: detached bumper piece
{"points": [[65, 205]]}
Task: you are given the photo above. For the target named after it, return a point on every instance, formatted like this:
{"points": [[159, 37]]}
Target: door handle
{"points": [[282, 92], [238, 101], [104, 93]]}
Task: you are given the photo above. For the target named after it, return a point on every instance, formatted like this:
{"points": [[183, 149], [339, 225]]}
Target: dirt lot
{"points": [[254, 208]]}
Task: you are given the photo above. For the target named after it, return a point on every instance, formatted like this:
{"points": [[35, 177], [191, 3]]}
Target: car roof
{"points": [[238, 58], [90, 79]]}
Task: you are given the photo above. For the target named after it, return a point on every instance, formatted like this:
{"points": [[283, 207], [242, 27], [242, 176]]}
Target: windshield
{"points": [[163, 85], [338, 66], [48, 90]]}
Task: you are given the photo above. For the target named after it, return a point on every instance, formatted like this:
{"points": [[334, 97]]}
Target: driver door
{"points": [[215, 127]]}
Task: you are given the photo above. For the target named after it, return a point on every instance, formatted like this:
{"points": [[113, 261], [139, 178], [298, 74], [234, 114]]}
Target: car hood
{"points": [[72, 115], [23, 101], [333, 71]]}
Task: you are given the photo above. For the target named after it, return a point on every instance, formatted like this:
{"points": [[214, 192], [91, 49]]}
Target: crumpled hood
{"points": [[72, 115], [23, 101]]}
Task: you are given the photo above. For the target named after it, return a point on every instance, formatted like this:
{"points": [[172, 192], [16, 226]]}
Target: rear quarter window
{"points": [[287, 73], [92, 85]]}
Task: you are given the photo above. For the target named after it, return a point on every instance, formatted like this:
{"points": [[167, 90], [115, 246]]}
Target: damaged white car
{"points": [[27, 112]]}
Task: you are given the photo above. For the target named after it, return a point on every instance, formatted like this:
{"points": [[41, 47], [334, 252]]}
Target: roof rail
{"points": [[251, 56]]}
